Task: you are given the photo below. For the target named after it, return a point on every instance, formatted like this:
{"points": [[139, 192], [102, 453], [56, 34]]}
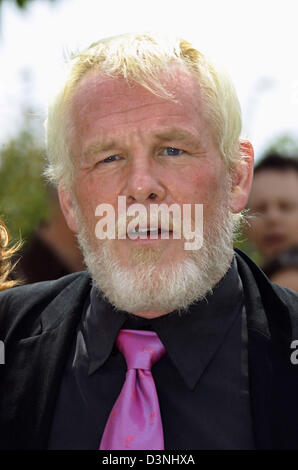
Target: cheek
{"points": [[200, 185], [85, 196], [257, 236], [293, 219], [92, 191]]}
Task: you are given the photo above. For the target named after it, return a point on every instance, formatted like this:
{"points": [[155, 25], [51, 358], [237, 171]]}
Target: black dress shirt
{"points": [[201, 381]]}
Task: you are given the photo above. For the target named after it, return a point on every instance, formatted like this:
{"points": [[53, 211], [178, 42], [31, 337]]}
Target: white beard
{"points": [[155, 289]]}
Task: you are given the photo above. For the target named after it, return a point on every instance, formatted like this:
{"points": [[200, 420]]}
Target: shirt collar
{"points": [[191, 338], [101, 324]]}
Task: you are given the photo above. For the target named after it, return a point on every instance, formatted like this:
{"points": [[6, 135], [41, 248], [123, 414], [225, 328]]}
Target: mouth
{"points": [[274, 240], [149, 233]]}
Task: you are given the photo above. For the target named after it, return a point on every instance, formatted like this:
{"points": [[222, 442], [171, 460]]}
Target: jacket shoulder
{"points": [[290, 298], [31, 300], [281, 304]]}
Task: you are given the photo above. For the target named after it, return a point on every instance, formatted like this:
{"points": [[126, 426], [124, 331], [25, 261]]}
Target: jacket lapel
{"points": [[33, 376], [270, 372]]}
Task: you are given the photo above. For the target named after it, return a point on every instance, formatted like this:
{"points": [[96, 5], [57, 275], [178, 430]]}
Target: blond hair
{"points": [[6, 254], [141, 59]]}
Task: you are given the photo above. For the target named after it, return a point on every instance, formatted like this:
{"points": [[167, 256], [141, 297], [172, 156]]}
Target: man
{"points": [[273, 203], [152, 122]]}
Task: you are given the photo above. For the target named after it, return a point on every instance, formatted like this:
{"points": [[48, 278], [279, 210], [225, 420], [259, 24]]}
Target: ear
{"points": [[67, 207], [242, 176]]}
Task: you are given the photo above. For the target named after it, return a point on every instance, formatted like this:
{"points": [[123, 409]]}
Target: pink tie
{"points": [[135, 422]]}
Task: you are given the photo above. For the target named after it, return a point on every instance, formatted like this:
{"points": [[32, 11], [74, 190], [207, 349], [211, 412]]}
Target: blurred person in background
{"points": [[273, 206], [6, 253], [283, 269], [52, 250]]}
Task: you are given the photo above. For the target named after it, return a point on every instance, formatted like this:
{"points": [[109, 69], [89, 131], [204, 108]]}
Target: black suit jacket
{"points": [[38, 323]]}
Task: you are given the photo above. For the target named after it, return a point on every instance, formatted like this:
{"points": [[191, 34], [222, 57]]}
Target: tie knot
{"points": [[141, 349]]}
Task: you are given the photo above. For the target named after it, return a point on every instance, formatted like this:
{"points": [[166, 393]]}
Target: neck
{"points": [[149, 314]]}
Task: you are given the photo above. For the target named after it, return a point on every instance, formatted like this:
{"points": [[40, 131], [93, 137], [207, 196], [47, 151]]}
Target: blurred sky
{"points": [[255, 41]]}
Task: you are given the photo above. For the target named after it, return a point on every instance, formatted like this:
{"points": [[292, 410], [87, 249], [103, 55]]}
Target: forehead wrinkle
{"points": [[84, 108], [175, 133]]}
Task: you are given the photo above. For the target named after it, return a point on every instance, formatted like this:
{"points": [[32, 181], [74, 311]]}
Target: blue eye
{"points": [[112, 158], [172, 152]]}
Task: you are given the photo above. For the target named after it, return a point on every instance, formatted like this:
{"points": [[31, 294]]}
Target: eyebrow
{"points": [[99, 147], [175, 134], [178, 134]]}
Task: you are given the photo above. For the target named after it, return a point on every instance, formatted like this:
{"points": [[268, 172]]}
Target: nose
{"points": [[143, 184]]}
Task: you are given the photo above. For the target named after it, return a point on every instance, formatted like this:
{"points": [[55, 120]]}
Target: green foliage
{"points": [[243, 244], [23, 191], [19, 3], [284, 144]]}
